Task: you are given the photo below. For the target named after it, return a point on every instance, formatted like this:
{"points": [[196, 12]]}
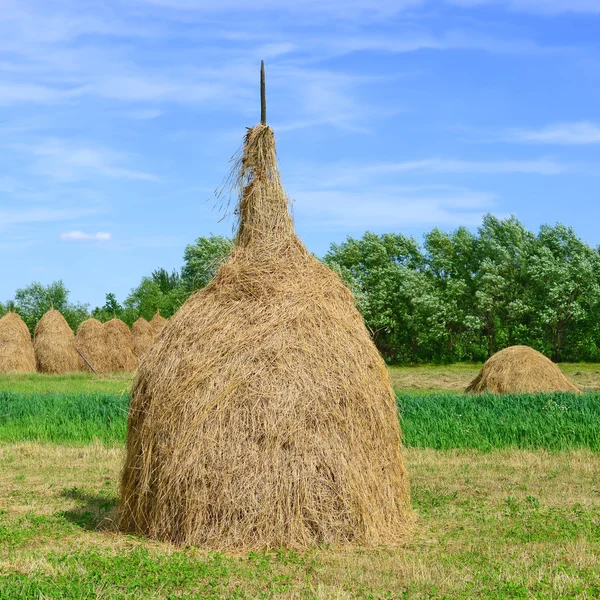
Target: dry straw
{"points": [[142, 336], [91, 342], [54, 343], [264, 415], [16, 348], [158, 322], [122, 358], [520, 369]]}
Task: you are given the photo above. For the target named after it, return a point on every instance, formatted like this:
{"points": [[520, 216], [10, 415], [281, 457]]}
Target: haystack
{"points": [[142, 336], [54, 343], [91, 342], [264, 415], [16, 348], [158, 322], [520, 369], [120, 347]]}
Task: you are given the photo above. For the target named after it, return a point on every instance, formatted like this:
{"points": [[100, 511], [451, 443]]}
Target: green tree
{"points": [[202, 259], [33, 301]]}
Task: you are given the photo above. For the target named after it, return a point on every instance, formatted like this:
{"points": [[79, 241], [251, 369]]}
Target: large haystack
{"points": [[520, 369], [142, 336], [264, 415], [120, 347], [54, 343], [16, 348], [158, 322], [91, 342]]}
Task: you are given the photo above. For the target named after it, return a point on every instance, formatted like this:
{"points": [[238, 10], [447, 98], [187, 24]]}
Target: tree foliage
{"points": [[458, 296]]}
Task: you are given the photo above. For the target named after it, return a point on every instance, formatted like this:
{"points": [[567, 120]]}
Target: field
{"points": [[506, 493]]}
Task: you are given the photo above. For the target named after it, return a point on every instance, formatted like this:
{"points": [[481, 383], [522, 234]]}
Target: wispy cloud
{"points": [[68, 161], [542, 166], [80, 236], [41, 214], [389, 209], [572, 134], [545, 7]]}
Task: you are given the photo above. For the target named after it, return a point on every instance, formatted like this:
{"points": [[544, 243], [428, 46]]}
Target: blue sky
{"points": [[119, 117]]}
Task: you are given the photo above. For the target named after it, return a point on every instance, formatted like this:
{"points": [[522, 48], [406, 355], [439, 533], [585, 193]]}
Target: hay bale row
{"points": [[142, 334], [108, 348], [54, 344], [16, 348]]}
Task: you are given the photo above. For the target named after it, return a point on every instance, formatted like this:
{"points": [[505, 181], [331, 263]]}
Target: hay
{"points": [[142, 336], [264, 415], [520, 369], [91, 342], [16, 348], [158, 322], [122, 358], [54, 343]]}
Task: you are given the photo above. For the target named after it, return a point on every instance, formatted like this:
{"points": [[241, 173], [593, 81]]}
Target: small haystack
{"points": [[520, 369], [120, 347], [16, 348], [54, 343], [158, 322], [264, 415], [91, 342], [142, 335]]}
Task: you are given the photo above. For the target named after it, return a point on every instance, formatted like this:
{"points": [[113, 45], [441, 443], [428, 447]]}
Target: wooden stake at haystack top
{"points": [[264, 415]]}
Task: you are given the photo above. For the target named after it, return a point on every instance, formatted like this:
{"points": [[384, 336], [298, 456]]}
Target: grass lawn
{"points": [[502, 524], [503, 517]]}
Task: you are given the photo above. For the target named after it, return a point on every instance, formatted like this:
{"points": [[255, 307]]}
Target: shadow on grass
{"points": [[97, 511]]}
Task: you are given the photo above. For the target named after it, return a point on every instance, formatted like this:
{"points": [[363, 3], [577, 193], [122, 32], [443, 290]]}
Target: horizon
{"points": [[119, 121]]}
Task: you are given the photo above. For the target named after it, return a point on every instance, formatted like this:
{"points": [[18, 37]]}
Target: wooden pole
{"points": [[86, 360], [263, 95]]}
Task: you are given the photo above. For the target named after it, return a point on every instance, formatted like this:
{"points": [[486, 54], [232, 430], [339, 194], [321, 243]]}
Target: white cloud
{"points": [[80, 236], [578, 133]]}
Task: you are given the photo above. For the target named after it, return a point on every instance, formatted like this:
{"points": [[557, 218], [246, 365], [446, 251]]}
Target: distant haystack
{"points": [[158, 322], [520, 369], [54, 344], [16, 348], [122, 358], [142, 335], [91, 342]]}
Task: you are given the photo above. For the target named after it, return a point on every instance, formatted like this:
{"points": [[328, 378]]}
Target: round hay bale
{"points": [[122, 358], [264, 415], [16, 348], [54, 343], [520, 369], [142, 336], [158, 322], [91, 342]]}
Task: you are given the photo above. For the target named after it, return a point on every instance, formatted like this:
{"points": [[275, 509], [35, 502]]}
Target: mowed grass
{"points": [[502, 524], [73, 383], [420, 378], [458, 376], [441, 420]]}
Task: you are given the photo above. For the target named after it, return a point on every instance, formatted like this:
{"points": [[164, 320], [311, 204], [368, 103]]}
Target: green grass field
{"points": [[506, 493]]}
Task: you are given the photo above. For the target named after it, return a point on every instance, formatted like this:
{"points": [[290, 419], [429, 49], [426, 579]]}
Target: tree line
{"points": [[458, 296]]}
